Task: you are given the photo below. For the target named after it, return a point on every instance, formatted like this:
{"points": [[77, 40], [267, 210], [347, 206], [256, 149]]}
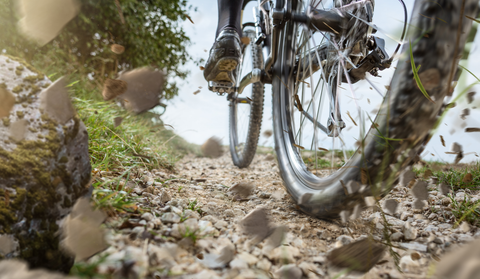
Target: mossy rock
{"points": [[44, 165]]}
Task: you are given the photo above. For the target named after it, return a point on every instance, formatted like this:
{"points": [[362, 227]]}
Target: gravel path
{"points": [[198, 226]]}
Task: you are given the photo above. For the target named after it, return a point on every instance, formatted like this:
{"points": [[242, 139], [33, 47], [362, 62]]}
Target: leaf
{"points": [[416, 77]]}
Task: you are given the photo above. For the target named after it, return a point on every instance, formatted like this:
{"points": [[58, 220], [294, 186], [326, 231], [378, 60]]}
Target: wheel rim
{"points": [[294, 134]]}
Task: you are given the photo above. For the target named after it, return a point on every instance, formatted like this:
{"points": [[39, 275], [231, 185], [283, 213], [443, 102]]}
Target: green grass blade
{"points": [[417, 77]]}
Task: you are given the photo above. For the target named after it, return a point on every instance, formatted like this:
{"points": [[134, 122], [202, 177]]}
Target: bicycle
{"points": [[304, 56]]}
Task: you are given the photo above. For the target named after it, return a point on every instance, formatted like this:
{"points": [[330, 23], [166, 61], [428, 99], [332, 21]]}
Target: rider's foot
{"points": [[224, 58]]}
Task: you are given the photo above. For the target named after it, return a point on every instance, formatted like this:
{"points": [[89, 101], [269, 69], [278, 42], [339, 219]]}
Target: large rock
{"points": [[44, 164], [144, 89]]}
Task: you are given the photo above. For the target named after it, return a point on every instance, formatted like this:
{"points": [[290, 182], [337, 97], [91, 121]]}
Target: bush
{"points": [[151, 35]]}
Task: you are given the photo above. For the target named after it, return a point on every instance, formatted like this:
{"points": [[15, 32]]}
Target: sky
{"points": [[199, 117]]}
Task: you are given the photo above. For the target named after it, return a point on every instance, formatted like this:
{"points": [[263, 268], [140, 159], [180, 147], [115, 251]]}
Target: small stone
{"points": [[305, 198], [264, 264], [470, 97], [344, 214], [464, 238], [238, 263], [352, 187], [370, 201], [117, 49], [264, 195], [18, 130], [256, 224], [7, 244], [455, 147], [248, 258], [242, 190], [397, 236], [269, 157], [229, 213], [414, 246], [147, 216], [212, 148], [117, 121], [406, 176], [361, 255], [409, 232], [407, 264], [390, 206], [275, 239], [431, 228], [220, 224], [289, 271], [357, 211], [464, 227], [7, 100], [419, 190], [418, 204], [165, 197], [55, 101], [343, 240], [284, 254], [170, 217]]}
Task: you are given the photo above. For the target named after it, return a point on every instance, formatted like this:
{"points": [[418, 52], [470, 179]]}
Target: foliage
{"points": [[466, 210], [151, 35]]}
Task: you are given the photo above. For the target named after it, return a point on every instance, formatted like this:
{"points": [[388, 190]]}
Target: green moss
{"points": [[19, 70], [6, 121], [33, 79], [63, 160], [18, 88], [3, 85], [20, 114], [35, 89], [24, 63]]}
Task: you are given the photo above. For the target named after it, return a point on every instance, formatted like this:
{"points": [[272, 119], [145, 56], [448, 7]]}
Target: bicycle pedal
{"points": [[221, 87]]}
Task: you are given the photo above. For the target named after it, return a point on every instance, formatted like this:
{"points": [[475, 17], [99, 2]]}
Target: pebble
{"points": [[264, 264], [170, 217], [406, 176], [289, 271], [343, 240], [147, 216], [220, 224], [407, 264], [414, 246], [464, 238], [396, 236], [229, 213], [238, 263], [419, 190], [409, 232], [464, 227]]}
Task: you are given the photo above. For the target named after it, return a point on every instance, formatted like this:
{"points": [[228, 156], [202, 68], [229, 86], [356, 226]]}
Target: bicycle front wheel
{"points": [[309, 77]]}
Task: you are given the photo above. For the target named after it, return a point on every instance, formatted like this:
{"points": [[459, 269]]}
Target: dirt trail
{"points": [[203, 239]]}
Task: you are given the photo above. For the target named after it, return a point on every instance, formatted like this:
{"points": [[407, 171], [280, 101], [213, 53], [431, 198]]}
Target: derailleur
{"points": [[377, 60]]}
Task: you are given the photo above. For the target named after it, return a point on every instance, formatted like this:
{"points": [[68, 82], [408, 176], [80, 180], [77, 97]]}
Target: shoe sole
{"points": [[224, 67]]}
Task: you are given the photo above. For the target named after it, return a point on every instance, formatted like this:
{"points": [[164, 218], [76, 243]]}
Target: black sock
{"points": [[229, 12]]}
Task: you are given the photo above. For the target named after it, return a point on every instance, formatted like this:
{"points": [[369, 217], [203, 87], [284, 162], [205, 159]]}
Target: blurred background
{"points": [[198, 117]]}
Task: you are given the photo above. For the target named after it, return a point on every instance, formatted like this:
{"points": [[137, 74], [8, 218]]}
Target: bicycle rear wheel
{"points": [[386, 142], [246, 109]]}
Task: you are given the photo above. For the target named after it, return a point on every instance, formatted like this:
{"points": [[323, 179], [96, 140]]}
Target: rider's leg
{"points": [[229, 15], [225, 53]]}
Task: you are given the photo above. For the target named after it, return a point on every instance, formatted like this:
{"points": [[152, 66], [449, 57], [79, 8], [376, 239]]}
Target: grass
{"points": [[466, 210], [456, 176], [192, 205], [140, 140]]}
